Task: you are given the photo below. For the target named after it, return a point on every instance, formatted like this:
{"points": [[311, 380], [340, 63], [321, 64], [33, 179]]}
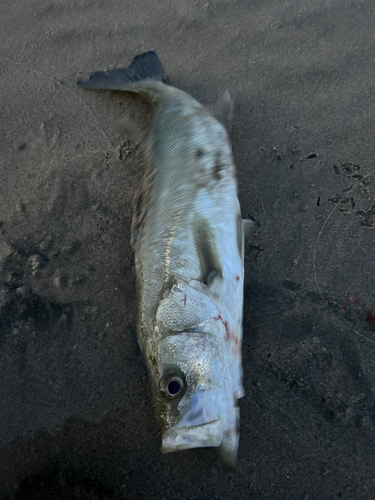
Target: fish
{"points": [[188, 240]]}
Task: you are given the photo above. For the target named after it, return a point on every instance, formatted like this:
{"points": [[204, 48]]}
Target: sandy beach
{"points": [[76, 416]]}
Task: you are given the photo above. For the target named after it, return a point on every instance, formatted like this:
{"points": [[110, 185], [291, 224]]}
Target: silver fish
{"points": [[188, 238]]}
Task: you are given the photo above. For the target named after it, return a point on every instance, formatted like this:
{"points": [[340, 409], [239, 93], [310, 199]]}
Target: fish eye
{"points": [[172, 385]]}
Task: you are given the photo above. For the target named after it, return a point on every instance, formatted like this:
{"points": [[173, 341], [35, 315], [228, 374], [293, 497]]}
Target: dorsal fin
{"points": [[223, 110], [249, 226]]}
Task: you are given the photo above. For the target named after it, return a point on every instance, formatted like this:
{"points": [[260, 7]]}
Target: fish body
{"points": [[188, 240]]}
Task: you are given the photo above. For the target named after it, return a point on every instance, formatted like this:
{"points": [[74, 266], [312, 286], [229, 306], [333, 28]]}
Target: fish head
{"points": [[193, 394]]}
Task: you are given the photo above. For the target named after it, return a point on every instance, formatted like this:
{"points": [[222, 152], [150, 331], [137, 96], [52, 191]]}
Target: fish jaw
{"points": [[210, 421], [202, 425], [219, 432], [200, 436]]}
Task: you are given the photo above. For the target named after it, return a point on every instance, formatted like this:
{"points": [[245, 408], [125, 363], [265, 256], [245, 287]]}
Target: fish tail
{"points": [[145, 74]]}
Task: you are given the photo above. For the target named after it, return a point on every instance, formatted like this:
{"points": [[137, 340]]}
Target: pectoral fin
{"points": [[205, 243]]}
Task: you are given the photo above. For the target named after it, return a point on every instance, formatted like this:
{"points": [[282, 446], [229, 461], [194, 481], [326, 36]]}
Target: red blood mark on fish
{"points": [[237, 278], [236, 344], [230, 336], [225, 323]]}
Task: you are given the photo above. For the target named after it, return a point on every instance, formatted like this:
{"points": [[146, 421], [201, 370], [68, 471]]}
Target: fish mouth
{"points": [[197, 436]]}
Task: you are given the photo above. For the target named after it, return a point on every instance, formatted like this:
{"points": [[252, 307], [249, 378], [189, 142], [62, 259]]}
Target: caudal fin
{"points": [[145, 66]]}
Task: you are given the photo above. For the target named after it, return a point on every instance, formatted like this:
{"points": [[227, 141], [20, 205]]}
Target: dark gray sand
{"points": [[76, 419]]}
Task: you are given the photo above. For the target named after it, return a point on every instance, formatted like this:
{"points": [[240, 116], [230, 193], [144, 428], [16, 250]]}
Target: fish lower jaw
{"points": [[199, 436]]}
